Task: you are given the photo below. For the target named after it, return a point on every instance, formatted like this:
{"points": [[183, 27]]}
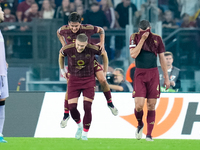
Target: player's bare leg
{"points": [[139, 104], [150, 117], [106, 90]]}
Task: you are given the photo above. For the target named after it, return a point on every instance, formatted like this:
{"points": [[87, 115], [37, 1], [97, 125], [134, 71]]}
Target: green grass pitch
{"points": [[26, 143]]}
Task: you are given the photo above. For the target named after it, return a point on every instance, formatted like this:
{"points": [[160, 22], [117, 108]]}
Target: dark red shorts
{"points": [[146, 83], [97, 66], [76, 85]]}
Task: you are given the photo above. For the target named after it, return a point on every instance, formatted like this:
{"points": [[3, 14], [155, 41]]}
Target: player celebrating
{"points": [[144, 47], [3, 81], [81, 67], [67, 34]]}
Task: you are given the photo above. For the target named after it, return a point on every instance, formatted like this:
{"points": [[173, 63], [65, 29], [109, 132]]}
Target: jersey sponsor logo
{"points": [[161, 125], [79, 67]]}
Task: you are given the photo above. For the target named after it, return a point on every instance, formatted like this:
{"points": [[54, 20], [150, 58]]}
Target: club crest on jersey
{"points": [[80, 62]]}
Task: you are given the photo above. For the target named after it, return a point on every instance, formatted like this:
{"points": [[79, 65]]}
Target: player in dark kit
{"points": [[67, 34], [144, 47], [82, 79]]}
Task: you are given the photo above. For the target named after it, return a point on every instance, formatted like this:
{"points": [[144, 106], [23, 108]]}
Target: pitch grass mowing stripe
{"points": [[19, 143]]}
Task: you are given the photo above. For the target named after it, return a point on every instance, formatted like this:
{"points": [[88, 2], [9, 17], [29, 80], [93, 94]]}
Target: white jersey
{"points": [[3, 67]]}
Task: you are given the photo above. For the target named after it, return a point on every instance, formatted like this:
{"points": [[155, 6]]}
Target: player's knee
{"points": [[72, 106], [103, 82], [2, 103], [151, 106], [87, 106], [139, 107]]}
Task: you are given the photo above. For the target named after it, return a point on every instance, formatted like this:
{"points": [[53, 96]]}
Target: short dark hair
{"points": [[74, 17], [82, 37], [144, 24], [168, 53]]}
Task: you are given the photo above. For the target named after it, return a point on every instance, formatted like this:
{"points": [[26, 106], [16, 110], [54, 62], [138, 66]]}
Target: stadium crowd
{"points": [[109, 14], [105, 13]]}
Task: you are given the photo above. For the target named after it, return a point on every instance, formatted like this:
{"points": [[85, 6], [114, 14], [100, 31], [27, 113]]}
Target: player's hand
{"points": [[145, 35], [101, 46], [167, 84], [63, 73], [61, 49], [172, 83]]}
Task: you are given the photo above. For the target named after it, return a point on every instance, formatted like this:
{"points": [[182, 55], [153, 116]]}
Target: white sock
{"points": [[84, 133], [2, 118]]}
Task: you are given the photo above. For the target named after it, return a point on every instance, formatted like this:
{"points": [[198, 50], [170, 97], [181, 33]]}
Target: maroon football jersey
{"points": [[81, 64], [70, 37], [153, 45]]}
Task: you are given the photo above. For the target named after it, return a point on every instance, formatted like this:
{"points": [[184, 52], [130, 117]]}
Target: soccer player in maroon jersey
{"points": [[82, 79], [67, 35], [144, 47]]}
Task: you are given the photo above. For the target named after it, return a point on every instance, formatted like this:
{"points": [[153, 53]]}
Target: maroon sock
{"points": [[139, 116], [88, 115], [108, 98], [74, 112], [150, 121]]}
